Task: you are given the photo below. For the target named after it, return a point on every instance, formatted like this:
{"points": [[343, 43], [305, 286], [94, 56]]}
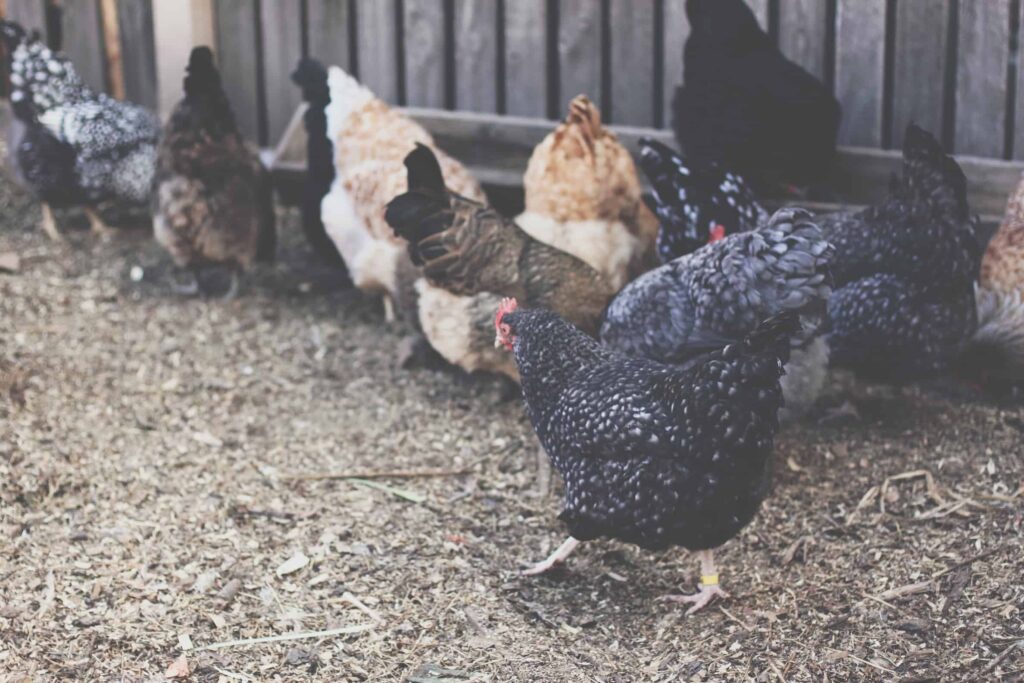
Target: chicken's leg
{"points": [[389, 309], [49, 225], [96, 224], [543, 472], [709, 588], [556, 558]]}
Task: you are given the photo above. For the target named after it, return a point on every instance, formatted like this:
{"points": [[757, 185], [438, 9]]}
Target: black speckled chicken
{"points": [[311, 76], [745, 105], [76, 146], [719, 293], [903, 307], [212, 204], [696, 203], [652, 454]]}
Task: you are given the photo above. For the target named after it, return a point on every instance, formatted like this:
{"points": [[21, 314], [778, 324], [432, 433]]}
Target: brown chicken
{"points": [[1000, 296], [212, 204], [370, 141], [473, 257], [583, 196]]}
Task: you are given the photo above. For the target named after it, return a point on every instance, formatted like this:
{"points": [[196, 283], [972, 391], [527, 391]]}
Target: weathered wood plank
{"points": [[760, 9], [138, 52], [919, 66], [111, 28], [632, 62], [802, 33], [282, 48], [676, 27], [236, 41], [476, 58], [424, 53], [83, 41], [328, 31], [176, 28], [526, 64], [860, 70], [983, 50], [1018, 124], [579, 50], [378, 50], [29, 13]]}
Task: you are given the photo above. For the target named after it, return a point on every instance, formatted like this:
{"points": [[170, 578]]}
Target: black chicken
{"points": [[74, 146], [651, 454], [311, 76], [745, 105], [696, 203], [903, 304]]}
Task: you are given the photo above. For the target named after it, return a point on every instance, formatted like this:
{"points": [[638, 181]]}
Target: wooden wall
{"points": [[951, 65]]}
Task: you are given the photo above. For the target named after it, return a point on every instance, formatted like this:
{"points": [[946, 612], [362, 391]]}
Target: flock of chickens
{"points": [[658, 346]]}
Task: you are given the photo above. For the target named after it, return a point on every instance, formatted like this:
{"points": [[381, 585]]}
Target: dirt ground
{"points": [[153, 504]]}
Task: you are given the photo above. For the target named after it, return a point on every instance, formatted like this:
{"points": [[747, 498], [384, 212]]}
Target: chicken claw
{"points": [[700, 599], [556, 558]]}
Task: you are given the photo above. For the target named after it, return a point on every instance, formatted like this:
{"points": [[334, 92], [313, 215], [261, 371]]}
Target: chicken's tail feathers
{"points": [[347, 95], [424, 210], [932, 176], [201, 76], [582, 124], [311, 76]]}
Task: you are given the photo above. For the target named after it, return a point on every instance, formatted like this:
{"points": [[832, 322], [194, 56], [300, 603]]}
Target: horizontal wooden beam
{"points": [[496, 149]]}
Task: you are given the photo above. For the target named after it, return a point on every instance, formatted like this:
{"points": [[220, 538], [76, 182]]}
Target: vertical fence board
{"points": [[28, 13], [476, 58], [424, 53], [328, 32], [1018, 111], [282, 47], [377, 37], [919, 66], [676, 28], [760, 8], [632, 63], [138, 55], [526, 65], [83, 42], [236, 45], [860, 70], [983, 51], [802, 33], [579, 50]]}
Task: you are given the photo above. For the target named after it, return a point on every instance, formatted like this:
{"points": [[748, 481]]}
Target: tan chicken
{"points": [[471, 257], [370, 142], [1000, 294], [583, 196]]}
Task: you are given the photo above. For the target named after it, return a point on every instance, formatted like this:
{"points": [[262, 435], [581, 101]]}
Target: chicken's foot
{"points": [[389, 309], [556, 558], [709, 588], [48, 224], [232, 287], [96, 224], [188, 288]]}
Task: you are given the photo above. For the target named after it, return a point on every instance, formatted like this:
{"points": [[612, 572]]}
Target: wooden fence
{"points": [[951, 65]]}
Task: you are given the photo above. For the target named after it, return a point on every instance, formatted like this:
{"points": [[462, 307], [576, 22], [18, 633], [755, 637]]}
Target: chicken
{"points": [[651, 454], [583, 196], [371, 141], [212, 202], [720, 293], [746, 106], [998, 343], [75, 147], [471, 257], [903, 304], [311, 76], [696, 203]]}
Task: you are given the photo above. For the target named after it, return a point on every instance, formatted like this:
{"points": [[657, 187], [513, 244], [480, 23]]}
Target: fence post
{"points": [[112, 48], [178, 27]]}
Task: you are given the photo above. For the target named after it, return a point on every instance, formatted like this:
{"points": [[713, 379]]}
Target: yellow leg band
{"points": [[709, 580]]}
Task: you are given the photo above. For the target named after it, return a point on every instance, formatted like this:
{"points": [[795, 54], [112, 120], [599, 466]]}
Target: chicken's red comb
{"points": [[507, 305]]}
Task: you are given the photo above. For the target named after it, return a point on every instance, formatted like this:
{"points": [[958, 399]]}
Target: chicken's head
{"points": [[503, 331]]}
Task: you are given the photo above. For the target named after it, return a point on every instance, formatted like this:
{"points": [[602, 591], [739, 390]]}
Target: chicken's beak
{"points": [[498, 343]]}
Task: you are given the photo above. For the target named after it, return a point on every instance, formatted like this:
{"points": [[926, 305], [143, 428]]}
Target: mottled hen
{"points": [[743, 104], [903, 305], [652, 454], [696, 203], [721, 292], [74, 146], [472, 256], [213, 200]]}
